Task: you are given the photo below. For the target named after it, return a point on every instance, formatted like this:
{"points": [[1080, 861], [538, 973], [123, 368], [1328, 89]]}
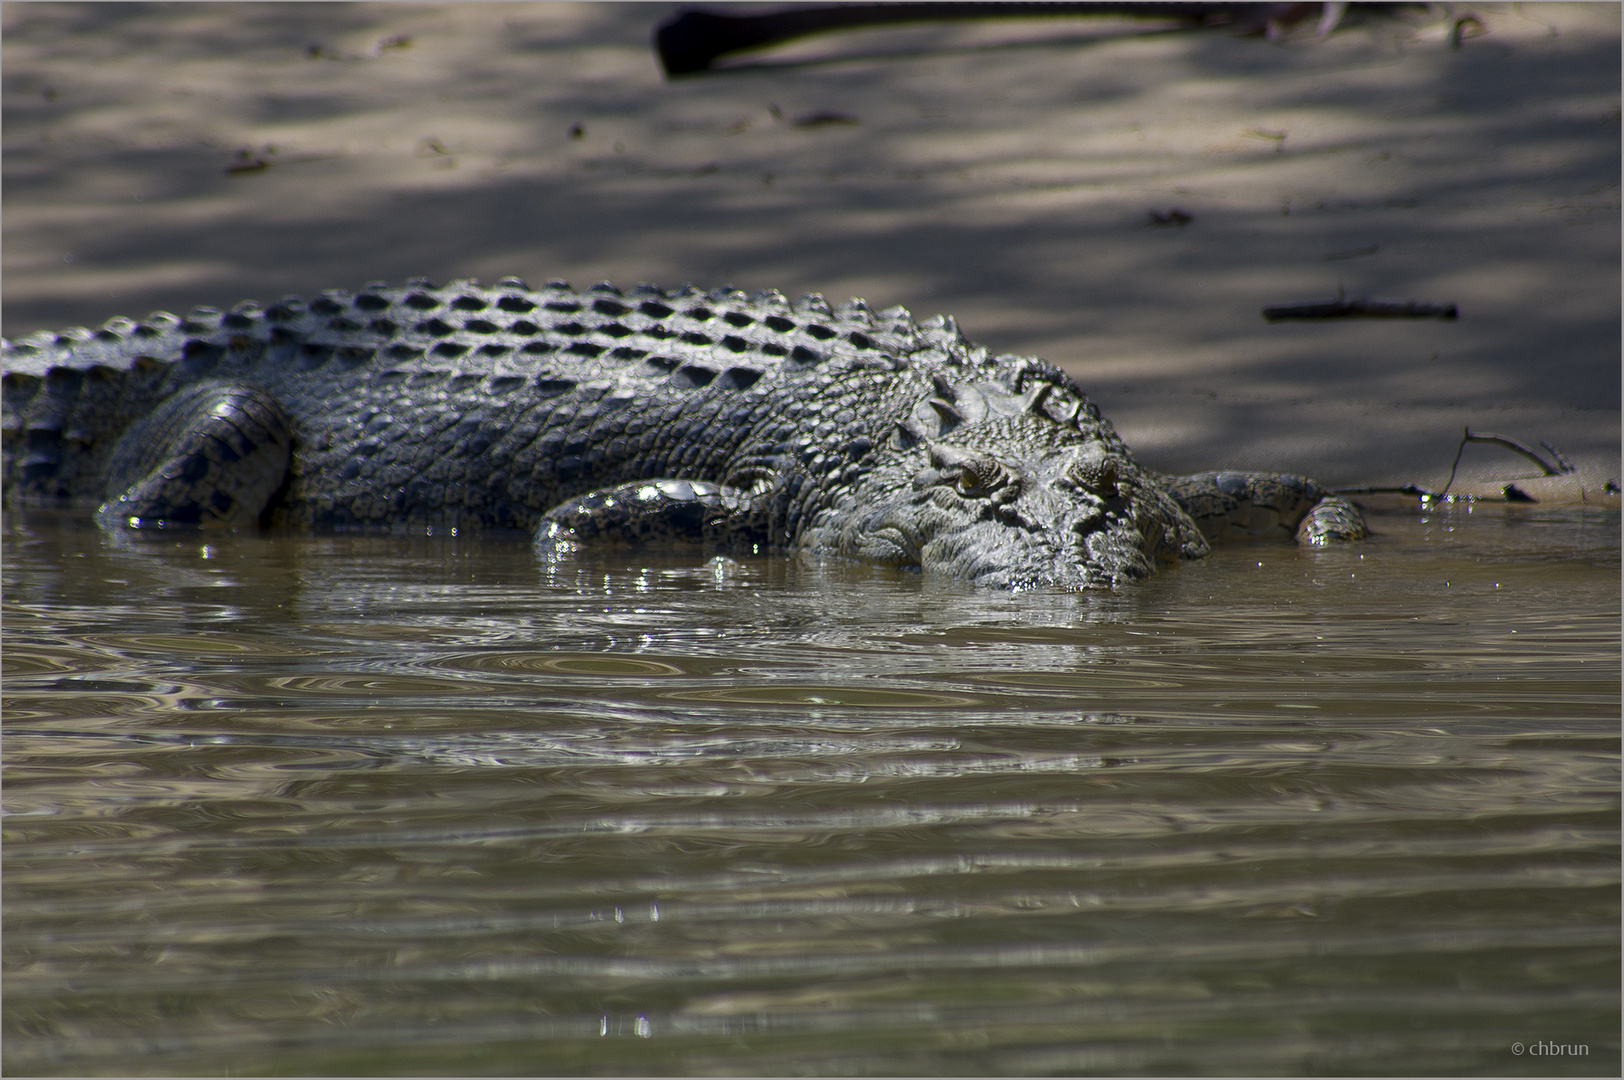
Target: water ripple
{"points": [[370, 804]]}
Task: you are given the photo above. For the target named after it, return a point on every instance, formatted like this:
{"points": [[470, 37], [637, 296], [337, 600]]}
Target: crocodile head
{"points": [[1041, 496]]}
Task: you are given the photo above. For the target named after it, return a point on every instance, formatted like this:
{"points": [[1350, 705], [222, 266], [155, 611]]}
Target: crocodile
{"points": [[749, 423]]}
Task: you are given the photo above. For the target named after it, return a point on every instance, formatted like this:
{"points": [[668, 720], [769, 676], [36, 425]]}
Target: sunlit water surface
{"points": [[391, 805]]}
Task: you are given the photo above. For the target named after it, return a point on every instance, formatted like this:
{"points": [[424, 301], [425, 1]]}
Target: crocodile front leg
{"points": [[1234, 505], [648, 511], [212, 454]]}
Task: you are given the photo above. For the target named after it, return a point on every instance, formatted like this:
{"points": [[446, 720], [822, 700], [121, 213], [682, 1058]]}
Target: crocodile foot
{"points": [[641, 512], [212, 454], [1236, 505]]}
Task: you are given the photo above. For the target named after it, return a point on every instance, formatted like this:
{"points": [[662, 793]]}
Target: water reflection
{"points": [[407, 805]]}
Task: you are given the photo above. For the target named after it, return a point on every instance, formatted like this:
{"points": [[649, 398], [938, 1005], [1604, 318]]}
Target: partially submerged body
{"points": [[748, 422]]}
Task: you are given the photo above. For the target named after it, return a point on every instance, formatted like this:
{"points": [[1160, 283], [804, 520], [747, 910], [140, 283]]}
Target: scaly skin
{"points": [[750, 422]]}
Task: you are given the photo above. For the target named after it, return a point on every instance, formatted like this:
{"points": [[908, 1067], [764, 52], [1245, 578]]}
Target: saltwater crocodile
{"points": [[751, 423]]}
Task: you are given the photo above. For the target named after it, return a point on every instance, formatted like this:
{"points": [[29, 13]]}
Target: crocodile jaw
{"points": [[1041, 528]]}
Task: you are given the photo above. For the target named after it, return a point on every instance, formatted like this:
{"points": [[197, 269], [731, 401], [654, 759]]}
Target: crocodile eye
{"points": [[980, 477], [971, 474]]}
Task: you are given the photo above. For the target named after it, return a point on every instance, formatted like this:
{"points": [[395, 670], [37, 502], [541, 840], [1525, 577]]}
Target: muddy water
{"points": [[361, 804]]}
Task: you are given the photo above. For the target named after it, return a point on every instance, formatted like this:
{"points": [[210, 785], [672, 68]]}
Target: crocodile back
{"points": [[484, 405]]}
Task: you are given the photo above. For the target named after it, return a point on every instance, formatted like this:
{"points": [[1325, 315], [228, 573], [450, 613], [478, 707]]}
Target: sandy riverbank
{"points": [[1004, 172]]}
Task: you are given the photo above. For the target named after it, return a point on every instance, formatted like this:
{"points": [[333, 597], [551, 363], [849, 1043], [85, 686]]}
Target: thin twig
{"points": [[1561, 467], [1403, 489], [1365, 308], [1563, 464]]}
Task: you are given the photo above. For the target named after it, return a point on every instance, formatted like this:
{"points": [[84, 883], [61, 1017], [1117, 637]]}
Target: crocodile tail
{"points": [[66, 400]]}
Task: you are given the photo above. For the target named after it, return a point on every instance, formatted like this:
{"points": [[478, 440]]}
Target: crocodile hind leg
{"points": [[212, 454], [1235, 505], [646, 511]]}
